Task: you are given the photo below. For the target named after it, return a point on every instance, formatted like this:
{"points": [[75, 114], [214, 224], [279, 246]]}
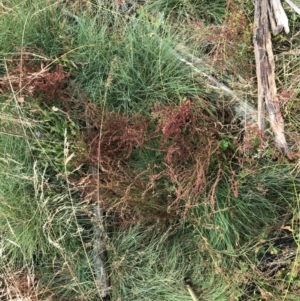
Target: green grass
{"points": [[120, 64], [136, 60], [180, 9], [32, 24], [39, 226]]}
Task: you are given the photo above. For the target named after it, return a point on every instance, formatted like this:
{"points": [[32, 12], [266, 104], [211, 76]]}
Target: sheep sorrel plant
{"points": [[189, 138], [111, 142], [184, 141], [233, 41], [34, 77]]}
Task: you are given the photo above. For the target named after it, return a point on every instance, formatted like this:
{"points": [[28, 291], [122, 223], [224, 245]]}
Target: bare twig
{"points": [[194, 297], [188, 285]]}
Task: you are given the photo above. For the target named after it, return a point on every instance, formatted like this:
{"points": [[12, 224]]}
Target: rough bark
{"points": [[265, 70]]}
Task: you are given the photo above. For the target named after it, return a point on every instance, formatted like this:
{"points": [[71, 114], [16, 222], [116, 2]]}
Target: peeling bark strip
{"points": [[277, 17], [265, 70], [99, 245]]}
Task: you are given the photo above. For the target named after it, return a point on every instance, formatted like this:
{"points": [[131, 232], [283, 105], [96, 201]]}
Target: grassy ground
{"points": [[187, 189]]}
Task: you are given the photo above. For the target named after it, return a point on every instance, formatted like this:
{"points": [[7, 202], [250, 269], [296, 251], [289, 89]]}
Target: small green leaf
{"points": [[224, 145]]}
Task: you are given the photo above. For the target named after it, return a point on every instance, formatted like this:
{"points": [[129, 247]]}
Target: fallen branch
{"points": [[265, 69]]}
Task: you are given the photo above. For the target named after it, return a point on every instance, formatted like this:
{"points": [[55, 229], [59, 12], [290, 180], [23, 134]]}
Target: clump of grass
{"points": [[244, 207], [27, 24], [180, 9], [39, 222], [138, 62], [149, 264]]}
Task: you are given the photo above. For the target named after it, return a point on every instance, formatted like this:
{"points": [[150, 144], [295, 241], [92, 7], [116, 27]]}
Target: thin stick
{"points": [[194, 297], [188, 284]]}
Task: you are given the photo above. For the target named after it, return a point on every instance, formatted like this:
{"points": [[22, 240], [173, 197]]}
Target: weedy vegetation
{"points": [[188, 189]]}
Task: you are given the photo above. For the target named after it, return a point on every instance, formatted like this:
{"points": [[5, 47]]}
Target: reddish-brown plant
{"points": [[114, 136], [35, 77], [189, 140]]}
